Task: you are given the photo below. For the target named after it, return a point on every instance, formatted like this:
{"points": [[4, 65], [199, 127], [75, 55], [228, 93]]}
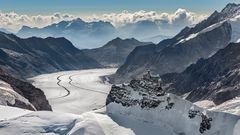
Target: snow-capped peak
{"points": [[231, 9]]}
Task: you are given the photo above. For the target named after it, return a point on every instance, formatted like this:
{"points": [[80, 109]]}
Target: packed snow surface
{"points": [[24, 122], [7, 112], [75, 91]]}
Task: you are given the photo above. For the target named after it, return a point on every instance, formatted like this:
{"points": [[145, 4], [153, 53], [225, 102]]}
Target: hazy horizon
{"points": [[15, 14]]}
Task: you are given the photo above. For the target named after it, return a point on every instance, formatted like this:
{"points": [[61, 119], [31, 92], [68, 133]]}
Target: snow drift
{"points": [[24, 122]]}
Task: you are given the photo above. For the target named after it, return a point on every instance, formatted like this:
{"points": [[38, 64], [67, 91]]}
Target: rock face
{"points": [[21, 94], [36, 55], [148, 87], [191, 44], [143, 106], [114, 53], [216, 79]]}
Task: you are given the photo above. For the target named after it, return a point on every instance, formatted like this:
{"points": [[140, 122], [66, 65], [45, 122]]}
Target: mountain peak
{"points": [[117, 39], [78, 20], [24, 27], [231, 9]]}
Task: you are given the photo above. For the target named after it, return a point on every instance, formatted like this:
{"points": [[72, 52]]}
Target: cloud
{"points": [[13, 21], [181, 18]]}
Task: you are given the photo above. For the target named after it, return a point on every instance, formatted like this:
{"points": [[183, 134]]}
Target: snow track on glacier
{"points": [[59, 84]]}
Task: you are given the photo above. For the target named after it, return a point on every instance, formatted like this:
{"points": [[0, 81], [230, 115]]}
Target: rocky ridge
{"points": [[143, 104]]}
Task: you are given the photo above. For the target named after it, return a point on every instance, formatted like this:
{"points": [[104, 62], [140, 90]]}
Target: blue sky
{"points": [[106, 6]]}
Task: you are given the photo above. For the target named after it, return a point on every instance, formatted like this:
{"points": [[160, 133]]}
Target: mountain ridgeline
{"points": [[82, 34], [32, 56], [191, 44], [114, 53], [88, 35]]}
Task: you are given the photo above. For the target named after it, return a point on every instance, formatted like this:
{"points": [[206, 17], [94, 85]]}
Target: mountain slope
{"points": [[165, 58], [191, 44], [36, 55], [114, 52], [215, 79], [144, 107]]}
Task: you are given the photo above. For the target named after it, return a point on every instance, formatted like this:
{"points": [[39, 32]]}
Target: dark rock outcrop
{"points": [[148, 88], [34, 95]]}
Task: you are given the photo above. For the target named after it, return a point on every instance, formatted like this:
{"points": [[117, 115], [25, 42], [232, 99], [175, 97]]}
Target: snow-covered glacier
{"points": [[145, 108]]}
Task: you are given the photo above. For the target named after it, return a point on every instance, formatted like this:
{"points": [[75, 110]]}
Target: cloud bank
{"points": [[181, 18], [178, 18], [13, 21]]}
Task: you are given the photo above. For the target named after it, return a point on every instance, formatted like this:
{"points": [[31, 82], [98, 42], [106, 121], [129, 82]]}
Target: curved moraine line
{"points": [[71, 83], [59, 84]]}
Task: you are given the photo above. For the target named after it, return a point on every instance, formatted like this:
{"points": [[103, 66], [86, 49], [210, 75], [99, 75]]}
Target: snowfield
{"points": [[75, 91], [7, 112]]}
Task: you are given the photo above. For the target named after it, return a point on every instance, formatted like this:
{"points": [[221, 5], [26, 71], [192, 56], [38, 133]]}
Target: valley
{"points": [[75, 91]]}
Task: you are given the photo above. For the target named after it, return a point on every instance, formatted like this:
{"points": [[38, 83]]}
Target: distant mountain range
{"points": [[28, 57], [4, 30], [81, 34], [94, 34], [191, 44], [114, 53]]}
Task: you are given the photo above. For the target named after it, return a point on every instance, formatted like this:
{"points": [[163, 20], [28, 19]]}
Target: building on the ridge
{"points": [[152, 78]]}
